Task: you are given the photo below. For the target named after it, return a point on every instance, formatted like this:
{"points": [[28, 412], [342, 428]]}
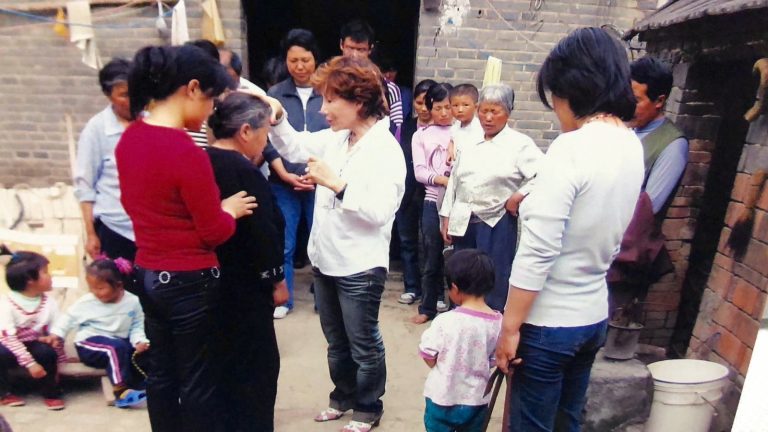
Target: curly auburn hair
{"points": [[356, 80]]}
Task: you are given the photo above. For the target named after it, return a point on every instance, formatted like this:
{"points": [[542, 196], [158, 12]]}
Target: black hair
{"points": [[115, 271], [386, 64], [359, 31], [423, 86], [234, 111], [207, 46], [235, 63], [23, 267], [654, 73], [113, 73], [158, 71], [301, 38], [273, 71], [436, 93], [465, 90], [472, 271], [589, 68]]}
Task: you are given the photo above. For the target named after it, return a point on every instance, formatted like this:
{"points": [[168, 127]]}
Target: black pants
{"points": [[179, 308], [248, 351], [113, 244], [45, 356]]}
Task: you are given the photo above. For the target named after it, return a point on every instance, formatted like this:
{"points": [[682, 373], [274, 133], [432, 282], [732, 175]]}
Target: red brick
{"points": [[726, 315], [745, 328], [743, 365], [757, 311], [678, 229], [734, 213], [701, 145], [757, 257], [682, 201], [678, 212], [703, 157], [745, 295], [730, 348], [722, 244], [724, 261], [740, 186], [763, 201], [761, 226], [720, 281]]}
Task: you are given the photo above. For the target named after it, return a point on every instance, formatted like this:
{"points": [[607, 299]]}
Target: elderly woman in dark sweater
{"points": [[252, 278]]}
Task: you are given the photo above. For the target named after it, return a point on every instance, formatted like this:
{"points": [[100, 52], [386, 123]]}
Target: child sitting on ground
{"points": [[26, 312], [459, 347], [109, 328]]}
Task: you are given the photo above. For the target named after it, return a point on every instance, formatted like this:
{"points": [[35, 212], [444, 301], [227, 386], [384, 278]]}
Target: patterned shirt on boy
{"points": [[463, 342]]}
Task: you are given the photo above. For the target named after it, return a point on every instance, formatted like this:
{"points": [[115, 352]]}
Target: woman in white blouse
{"points": [[572, 224], [487, 176], [360, 171]]}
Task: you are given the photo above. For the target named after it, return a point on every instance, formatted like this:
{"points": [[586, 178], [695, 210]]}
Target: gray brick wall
{"points": [[457, 54], [42, 80]]}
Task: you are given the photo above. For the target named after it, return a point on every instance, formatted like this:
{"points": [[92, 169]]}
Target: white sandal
{"points": [[356, 426], [329, 414]]}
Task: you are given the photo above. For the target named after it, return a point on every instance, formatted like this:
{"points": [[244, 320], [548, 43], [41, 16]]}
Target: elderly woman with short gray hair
{"points": [[480, 205]]}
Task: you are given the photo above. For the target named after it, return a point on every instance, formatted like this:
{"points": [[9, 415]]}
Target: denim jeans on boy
{"points": [[179, 310], [292, 204], [432, 277], [349, 315], [407, 220], [461, 418], [549, 386], [499, 242]]}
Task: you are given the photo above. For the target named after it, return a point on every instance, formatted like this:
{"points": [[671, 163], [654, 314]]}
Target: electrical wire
{"points": [[114, 13], [511, 27]]}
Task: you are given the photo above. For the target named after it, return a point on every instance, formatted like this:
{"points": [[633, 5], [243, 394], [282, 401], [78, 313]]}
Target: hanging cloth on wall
{"points": [[492, 71], [212, 28], [179, 28], [81, 32], [60, 28]]}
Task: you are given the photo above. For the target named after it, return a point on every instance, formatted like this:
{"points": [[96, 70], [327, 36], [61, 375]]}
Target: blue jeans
{"points": [[349, 316], [499, 242], [292, 204], [549, 386], [458, 418], [432, 277], [407, 221]]}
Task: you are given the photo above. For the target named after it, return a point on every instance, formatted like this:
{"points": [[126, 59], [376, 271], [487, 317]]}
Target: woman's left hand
{"points": [[321, 173], [280, 293]]}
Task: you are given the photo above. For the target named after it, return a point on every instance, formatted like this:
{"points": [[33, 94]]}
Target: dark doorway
{"points": [[731, 88], [394, 21]]}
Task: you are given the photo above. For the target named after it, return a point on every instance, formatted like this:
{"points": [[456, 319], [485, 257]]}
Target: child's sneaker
{"points": [[11, 400], [54, 404], [130, 398]]}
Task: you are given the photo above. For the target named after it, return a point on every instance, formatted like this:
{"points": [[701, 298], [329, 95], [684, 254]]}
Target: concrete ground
{"points": [[303, 385]]}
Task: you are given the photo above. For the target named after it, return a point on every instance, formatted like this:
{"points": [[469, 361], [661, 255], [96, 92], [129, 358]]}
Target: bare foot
{"points": [[419, 319]]}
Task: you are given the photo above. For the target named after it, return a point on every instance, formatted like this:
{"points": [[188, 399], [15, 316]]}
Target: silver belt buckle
{"points": [[215, 272], [164, 277]]}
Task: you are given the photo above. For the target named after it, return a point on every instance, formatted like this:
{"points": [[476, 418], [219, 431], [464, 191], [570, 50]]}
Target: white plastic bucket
{"points": [[685, 394]]}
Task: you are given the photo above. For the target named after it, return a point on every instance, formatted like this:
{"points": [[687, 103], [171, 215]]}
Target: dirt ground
{"points": [[303, 385]]}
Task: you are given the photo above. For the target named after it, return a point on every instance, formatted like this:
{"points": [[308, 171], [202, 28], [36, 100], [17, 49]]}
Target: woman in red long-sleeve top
{"points": [[168, 189]]}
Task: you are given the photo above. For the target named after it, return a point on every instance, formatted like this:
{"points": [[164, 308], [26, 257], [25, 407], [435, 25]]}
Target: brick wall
{"points": [[733, 296], [42, 79], [458, 53]]}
